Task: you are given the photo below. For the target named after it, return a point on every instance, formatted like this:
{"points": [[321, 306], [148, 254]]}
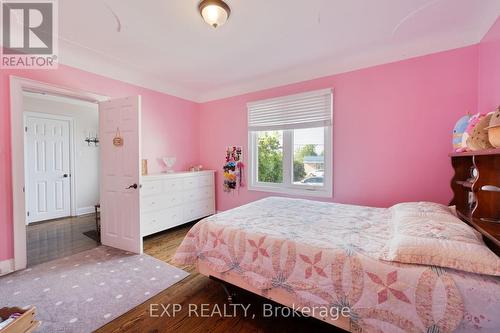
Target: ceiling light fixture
{"points": [[214, 12]]}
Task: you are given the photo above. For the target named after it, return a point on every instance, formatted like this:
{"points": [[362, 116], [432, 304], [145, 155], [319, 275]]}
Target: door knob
{"points": [[134, 186], [65, 175]]}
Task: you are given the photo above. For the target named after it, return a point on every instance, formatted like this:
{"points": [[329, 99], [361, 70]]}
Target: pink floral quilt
{"points": [[326, 254]]}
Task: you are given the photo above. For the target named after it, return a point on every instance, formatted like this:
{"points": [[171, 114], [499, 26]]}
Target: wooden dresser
{"points": [[169, 200]]}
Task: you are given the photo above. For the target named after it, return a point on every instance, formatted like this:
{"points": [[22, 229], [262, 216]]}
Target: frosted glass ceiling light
{"points": [[214, 12]]}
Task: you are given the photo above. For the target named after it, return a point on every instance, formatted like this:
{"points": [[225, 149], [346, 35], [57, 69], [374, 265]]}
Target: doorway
{"points": [[27, 109], [61, 147], [118, 170]]}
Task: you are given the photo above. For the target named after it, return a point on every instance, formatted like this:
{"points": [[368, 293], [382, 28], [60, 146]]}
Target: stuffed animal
{"points": [[477, 135], [458, 133], [473, 120], [494, 129]]}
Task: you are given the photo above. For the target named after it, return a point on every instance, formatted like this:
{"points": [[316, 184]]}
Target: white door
{"points": [[47, 184], [120, 173]]}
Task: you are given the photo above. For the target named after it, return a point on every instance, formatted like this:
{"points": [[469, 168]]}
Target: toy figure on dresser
{"points": [[169, 163], [459, 144], [233, 169], [476, 135], [196, 168], [494, 129]]}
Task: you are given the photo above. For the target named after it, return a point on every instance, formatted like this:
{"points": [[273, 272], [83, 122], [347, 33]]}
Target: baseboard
{"points": [[85, 210], [6, 266]]}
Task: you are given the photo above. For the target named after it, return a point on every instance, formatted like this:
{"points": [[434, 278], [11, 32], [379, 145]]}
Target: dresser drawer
{"points": [[152, 222], [197, 209], [162, 201], [157, 221], [153, 202], [190, 212], [207, 207], [174, 217], [190, 183], [188, 196], [151, 187], [205, 192], [206, 180], [199, 193], [173, 199], [172, 185]]}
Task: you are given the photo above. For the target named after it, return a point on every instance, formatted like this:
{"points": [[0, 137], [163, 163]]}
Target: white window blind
{"points": [[306, 110]]}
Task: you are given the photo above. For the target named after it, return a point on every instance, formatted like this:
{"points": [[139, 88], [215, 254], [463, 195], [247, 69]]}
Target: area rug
{"points": [[82, 292]]}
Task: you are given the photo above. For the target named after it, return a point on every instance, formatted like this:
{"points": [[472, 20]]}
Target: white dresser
{"points": [[169, 200]]}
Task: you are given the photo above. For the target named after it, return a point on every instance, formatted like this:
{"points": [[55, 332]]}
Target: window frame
{"points": [[288, 187]]}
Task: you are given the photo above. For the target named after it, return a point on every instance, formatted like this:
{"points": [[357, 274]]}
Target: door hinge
{"points": [[28, 213], [26, 129], [24, 189]]}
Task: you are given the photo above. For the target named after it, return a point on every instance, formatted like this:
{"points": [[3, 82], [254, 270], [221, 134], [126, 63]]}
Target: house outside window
{"points": [[290, 144]]}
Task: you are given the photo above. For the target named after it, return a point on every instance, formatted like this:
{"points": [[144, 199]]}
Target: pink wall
{"points": [[489, 70], [392, 128], [168, 127]]}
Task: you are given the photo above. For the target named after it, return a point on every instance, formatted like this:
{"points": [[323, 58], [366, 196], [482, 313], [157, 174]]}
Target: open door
{"points": [[119, 127]]}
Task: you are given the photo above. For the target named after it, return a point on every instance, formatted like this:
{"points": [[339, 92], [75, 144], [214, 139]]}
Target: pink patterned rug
{"points": [[82, 292]]}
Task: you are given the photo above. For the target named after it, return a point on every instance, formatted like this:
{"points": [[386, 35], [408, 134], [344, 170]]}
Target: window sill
{"points": [[306, 192]]}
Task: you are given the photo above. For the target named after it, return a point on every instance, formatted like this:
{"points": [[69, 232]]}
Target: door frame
{"points": [[72, 170], [17, 86]]}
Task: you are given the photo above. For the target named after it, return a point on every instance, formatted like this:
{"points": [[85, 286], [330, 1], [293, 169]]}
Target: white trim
{"points": [[72, 158], [59, 99], [17, 85], [85, 210], [6, 266], [103, 64], [306, 192]]}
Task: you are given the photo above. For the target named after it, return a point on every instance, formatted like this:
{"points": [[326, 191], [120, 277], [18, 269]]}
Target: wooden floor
{"points": [[49, 240], [198, 289]]}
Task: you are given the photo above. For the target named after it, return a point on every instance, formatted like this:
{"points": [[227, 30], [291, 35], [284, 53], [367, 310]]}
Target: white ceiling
{"points": [[164, 44]]}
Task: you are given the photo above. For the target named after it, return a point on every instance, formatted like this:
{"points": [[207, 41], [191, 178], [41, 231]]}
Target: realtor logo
{"points": [[29, 38]]}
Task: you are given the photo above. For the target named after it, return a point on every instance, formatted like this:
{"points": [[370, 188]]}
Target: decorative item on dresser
{"points": [[172, 199], [476, 192], [169, 163], [144, 167]]}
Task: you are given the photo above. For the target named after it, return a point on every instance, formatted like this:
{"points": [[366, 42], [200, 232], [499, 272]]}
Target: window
{"points": [[290, 142]]}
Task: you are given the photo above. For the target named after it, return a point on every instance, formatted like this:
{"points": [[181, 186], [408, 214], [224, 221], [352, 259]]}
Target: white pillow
{"points": [[429, 234]]}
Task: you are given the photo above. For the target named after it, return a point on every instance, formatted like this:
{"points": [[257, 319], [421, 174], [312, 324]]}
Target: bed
{"points": [[313, 255]]}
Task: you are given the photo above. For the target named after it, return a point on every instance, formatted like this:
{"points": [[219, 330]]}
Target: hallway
{"points": [[53, 239]]}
